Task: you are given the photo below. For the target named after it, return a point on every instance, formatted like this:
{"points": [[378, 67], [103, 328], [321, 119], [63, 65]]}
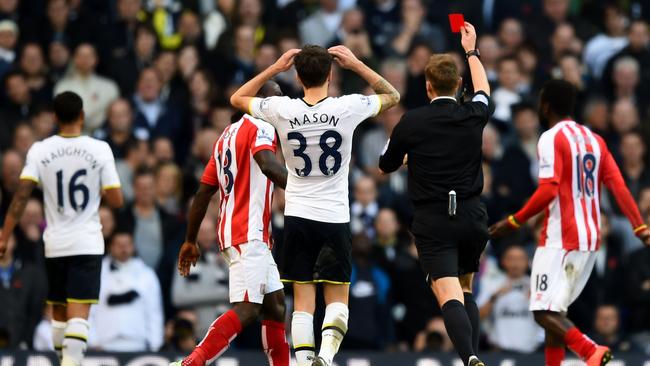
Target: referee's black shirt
{"points": [[443, 142]]}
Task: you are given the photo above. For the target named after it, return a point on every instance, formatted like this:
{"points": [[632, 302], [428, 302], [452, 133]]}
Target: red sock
{"points": [[554, 356], [275, 343], [216, 341], [579, 343]]}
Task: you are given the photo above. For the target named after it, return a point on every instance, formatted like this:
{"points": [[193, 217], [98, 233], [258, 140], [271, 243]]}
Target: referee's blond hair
{"points": [[442, 73]]}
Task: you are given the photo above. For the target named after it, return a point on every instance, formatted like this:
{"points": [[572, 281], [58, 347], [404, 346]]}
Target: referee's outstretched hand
{"points": [[501, 228]]}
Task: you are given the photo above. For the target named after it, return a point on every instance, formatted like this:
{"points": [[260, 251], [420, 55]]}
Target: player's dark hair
{"points": [[313, 65], [560, 96], [68, 107]]}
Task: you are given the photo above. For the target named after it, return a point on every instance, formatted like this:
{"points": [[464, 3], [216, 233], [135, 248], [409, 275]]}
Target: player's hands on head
{"points": [[285, 61], [468, 37], [645, 236], [501, 228], [187, 258], [344, 57]]}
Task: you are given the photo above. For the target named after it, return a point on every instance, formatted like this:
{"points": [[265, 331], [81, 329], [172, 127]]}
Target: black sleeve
{"points": [[480, 106], [396, 147]]}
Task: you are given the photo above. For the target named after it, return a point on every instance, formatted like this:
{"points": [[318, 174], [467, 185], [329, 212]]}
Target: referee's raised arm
{"points": [[476, 69]]}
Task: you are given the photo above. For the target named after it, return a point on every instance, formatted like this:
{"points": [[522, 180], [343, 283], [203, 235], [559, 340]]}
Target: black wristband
{"points": [[474, 52]]}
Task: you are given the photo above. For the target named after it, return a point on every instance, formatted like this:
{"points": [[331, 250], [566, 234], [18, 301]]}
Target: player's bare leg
{"points": [[451, 299], [335, 323], [75, 337], [554, 349], [59, 322], [471, 308], [560, 327], [274, 339], [302, 323]]}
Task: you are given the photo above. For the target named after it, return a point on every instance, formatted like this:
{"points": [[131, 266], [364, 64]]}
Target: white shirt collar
{"points": [[443, 97]]}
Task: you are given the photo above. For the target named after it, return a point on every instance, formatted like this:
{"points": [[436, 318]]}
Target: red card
{"points": [[456, 21]]}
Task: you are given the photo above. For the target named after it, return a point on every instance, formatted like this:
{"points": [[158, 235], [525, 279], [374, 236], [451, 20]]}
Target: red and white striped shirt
{"points": [[246, 193], [578, 161]]}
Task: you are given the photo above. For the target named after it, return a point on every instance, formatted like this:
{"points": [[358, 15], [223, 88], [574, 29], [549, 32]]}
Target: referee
{"points": [[442, 143]]}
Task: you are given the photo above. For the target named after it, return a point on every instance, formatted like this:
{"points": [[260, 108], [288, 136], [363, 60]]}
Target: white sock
{"points": [[58, 331], [302, 335], [74, 343], [335, 325]]}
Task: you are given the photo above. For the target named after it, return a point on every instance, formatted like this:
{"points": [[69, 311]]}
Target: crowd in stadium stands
{"points": [[155, 77]]}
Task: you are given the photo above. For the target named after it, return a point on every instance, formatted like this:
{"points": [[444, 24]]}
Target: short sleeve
{"points": [[209, 176], [549, 149], [109, 177], [480, 105], [263, 138], [30, 170], [266, 108], [364, 106]]}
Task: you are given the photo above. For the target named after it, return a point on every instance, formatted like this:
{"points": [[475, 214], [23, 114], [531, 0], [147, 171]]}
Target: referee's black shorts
{"points": [[450, 247]]}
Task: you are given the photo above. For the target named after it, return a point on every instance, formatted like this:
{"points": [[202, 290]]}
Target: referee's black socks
{"points": [[474, 319], [459, 328]]}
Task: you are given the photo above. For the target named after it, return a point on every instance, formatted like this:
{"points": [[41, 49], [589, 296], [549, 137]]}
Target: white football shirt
{"points": [[317, 146], [72, 172]]}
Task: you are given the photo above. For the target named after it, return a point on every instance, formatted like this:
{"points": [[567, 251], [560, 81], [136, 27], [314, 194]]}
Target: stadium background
{"points": [[155, 76]]}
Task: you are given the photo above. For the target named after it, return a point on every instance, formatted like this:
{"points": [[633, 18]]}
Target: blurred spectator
{"points": [[507, 94], [123, 29], [169, 188], [23, 138], [23, 289], [43, 122], [155, 117], [637, 297], [126, 64], [59, 25], [59, 57], [364, 207], [320, 28], [136, 154], [387, 240], [416, 95], [203, 92], [492, 148], [505, 303], [490, 54], [97, 92], [625, 78], [511, 35], [519, 156], [414, 27], [129, 315], [604, 45], [571, 69], [33, 66], [370, 322], [118, 129], [162, 151], [595, 115], [8, 40], [433, 338], [16, 108], [156, 234], [373, 141], [206, 288], [563, 41], [624, 118], [189, 61], [414, 304], [638, 42], [607, 328]]}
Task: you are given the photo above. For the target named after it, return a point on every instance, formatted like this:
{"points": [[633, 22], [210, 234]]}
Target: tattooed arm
{"points": [[388, 95], [15, 212]]}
